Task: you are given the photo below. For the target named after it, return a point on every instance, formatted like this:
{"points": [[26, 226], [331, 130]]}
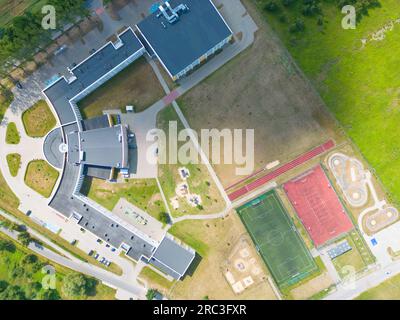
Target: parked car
{"points": [[18, 84], [99, 241], [102, 260], [113, 249], [108, 263], [96, 256], [90, 253], [60, 50]]}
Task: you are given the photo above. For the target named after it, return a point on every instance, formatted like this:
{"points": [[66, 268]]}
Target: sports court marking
{"points": [[277, 239], [318, 206], [276, 173]]}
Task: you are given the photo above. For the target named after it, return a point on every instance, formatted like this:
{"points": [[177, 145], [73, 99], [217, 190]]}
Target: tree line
{"points": [[24, 36], [313, 8]]}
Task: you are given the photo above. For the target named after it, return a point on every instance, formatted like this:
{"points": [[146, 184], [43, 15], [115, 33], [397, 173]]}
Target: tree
{"points": [[163, 217], [6, 245], [49, 294], [12, 293], [287, 3], [297, 26], [271, 6], [32, 289], [29, 259], [151, 294], [25, 238], [3, 285], [76, 285]]}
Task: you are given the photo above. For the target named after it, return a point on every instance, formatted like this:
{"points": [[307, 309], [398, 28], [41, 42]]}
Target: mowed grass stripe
{"points": [[277, 240]]}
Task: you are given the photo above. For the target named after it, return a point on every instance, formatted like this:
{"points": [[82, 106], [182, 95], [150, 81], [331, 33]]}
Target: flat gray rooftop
{"points": [[104, 147], [93, 220], [88, 72], [51, 148], [174, 258], [197, 31]]}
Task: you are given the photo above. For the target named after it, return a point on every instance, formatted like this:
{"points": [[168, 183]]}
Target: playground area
{"points": [[380, 218], [277, 239], [242, 268], [318, 206], [351, 178]]}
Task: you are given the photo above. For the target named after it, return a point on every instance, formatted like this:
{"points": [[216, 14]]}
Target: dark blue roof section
{"points": [[88, 72], [179, 44]]}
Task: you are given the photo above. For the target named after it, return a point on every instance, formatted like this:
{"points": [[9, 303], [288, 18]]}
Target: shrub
{"points": [[151, 294], [163, 217], [287, 3], [271, 6], [25, 238], [297, 26]]}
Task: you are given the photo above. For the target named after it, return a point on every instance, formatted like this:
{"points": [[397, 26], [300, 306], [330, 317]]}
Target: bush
{"points": [[3, 285], [271, 6], [287, 3], [283, 19], [29, 259], [163, 217], [12, 293], [77, 285], [297, 26], [151, 294], [25, 238], [6, 245]]}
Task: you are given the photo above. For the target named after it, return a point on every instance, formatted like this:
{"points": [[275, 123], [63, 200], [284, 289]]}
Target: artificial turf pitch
{"points": [[277, 239]]}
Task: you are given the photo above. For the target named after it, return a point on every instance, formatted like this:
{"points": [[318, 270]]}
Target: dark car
{"points": [[18, 84]]}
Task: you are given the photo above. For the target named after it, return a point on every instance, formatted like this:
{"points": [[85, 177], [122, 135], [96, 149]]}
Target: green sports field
{"points": [[277, 239]]}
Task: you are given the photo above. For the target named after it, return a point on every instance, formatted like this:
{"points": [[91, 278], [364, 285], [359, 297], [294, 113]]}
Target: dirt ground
{"points": [[214, 240], [312, 287], [262, 90]]}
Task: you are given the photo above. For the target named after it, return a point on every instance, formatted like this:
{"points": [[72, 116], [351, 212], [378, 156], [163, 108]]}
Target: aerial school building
{"points": [[182, 34]]}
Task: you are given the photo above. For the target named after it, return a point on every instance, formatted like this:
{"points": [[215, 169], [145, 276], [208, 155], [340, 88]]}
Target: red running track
{"points": [[281, 170], [318, 206]]}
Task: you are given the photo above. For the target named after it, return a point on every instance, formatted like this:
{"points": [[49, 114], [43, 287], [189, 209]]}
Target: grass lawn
{"points": [[12, 134], [14, 163], [214, 241], [38, 120], [136, 85], [41, 177], [387, 290], [155, 280], [143, 193], [360, 84], [200, 181], [28, 276], [351, 258]]}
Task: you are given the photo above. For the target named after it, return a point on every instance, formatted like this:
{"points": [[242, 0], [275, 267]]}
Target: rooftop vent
{"points": [[171, 14]]}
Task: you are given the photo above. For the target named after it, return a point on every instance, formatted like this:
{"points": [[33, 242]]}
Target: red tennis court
{"points": [[318, 206]]}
